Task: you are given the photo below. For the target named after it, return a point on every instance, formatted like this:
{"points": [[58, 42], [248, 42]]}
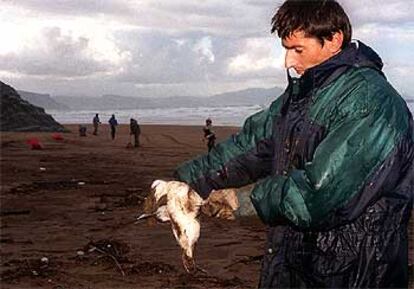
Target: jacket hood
{"points": [[356, 54]]}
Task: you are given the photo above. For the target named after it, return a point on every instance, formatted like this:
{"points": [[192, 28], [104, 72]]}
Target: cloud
{"points": [[159, 58], [398, 75], [73, 7], [259, 56], [54, 53], [204, 49], [389, 12], [214, 17]]}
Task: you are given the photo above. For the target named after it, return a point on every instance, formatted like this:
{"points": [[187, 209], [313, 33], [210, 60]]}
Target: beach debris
{"points": [[81, 183], [44, 260], [82, 130], [57, 136], [80, 253], [111, 249], [42, 169], [176, 202], [34, 143], [18, 268], [34, 272]]}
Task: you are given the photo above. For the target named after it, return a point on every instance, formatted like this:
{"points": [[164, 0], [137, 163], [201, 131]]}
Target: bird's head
{"points": [[159, 189]]}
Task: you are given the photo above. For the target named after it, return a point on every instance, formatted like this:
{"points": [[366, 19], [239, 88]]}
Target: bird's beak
{"points": [[145, 216]]}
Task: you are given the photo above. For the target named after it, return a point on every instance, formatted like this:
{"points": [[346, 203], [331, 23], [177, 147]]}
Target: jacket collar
{"points": [[356, 54]]}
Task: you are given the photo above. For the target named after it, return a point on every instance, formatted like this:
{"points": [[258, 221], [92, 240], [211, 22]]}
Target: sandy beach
{"points": [[68, 212], [81, 193]]}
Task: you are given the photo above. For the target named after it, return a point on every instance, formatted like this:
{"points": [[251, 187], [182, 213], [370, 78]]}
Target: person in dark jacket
{"points": [[134, 130], [332, 159], [209, 135], [113, 124], [96, 122]]}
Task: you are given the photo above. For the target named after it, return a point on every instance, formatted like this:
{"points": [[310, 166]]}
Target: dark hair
{"points": [[316, 18]]}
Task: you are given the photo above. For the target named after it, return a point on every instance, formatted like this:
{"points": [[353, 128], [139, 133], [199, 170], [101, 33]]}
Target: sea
{"points": [[221, 116]]}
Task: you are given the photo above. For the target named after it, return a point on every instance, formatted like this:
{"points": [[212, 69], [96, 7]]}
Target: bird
{"points": [[179, 204]]}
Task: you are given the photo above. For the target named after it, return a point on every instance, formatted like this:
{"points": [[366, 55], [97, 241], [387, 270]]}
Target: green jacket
{"points": [[336, 146]]}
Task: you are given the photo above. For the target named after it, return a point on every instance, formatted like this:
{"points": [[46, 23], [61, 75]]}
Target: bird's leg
{"points": [[188, 262]]}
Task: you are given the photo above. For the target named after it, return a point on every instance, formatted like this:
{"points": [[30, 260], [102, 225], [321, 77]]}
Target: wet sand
{"points": [[75, 201]]}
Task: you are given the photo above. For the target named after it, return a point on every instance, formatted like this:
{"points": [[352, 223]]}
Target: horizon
{"points": [[408, 98], [141, 96]]}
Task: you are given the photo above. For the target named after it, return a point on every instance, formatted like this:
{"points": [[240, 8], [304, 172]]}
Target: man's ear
{"points": [[335, 45]]}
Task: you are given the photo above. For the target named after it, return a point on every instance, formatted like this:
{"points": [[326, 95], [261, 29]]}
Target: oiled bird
{"points": [[176, 202]]}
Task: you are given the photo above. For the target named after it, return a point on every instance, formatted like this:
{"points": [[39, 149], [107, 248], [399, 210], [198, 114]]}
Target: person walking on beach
{"points": [[96, 122], [209, 135], [113, 123], [332, 159], [134, 130]]}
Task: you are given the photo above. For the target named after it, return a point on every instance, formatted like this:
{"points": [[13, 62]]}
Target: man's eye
{"points": [[299, 51]]}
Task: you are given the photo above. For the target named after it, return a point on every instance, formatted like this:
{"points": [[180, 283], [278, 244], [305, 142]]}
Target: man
{"points": [[134, 130], [209, 135], [96, 122], [113, 123], [332, 157]]}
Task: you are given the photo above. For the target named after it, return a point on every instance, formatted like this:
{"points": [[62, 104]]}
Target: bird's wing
{"points": [[162, 214]]}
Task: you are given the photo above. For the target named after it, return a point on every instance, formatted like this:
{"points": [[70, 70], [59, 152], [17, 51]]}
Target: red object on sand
{"points": [[34, 143], [57, 136]]}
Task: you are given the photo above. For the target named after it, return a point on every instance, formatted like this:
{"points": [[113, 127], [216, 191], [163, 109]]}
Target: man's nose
{"points": [[290, 60]]}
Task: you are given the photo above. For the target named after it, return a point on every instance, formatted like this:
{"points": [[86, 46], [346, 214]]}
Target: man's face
{"points": [[303, 52]]}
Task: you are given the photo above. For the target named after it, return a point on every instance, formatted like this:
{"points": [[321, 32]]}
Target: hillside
{"points": [[252, 96], [18, 114], [42, 100]]}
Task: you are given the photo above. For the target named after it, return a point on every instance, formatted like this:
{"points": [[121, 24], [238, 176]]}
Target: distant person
{"points": [[209, 135], [82, 130], [113, 123], [96, 123], [135, 130]]}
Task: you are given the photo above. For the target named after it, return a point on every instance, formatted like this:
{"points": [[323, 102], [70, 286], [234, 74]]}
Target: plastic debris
{"points": [[34, 143], [44, 260], [57, 136]]}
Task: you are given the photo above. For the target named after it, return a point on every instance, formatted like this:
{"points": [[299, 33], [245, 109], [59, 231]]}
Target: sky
{"points": [[174, 47]]}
